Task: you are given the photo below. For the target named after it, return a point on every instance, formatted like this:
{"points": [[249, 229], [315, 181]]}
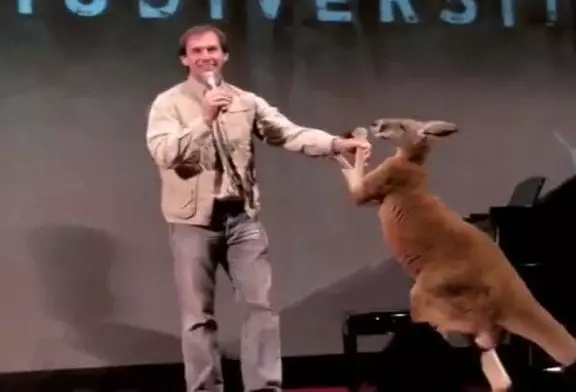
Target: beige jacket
{"points": [[182, 147]]}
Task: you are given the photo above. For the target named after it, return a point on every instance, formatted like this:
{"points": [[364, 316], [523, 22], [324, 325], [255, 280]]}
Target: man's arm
{"points": [[170, 143], [276, 129]]}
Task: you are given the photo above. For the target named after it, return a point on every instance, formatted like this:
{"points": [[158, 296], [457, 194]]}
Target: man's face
{"points": [[204, 54]]}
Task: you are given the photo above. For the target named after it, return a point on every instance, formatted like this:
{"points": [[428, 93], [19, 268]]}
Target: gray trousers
{"points": [[240, 245]]}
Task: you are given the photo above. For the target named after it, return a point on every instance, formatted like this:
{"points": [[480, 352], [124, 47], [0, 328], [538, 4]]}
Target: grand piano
{"points": [[535, 232]]}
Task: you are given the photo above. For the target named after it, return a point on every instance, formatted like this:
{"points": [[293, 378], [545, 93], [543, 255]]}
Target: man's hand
{"points": [[344, 146], [213, 101]]}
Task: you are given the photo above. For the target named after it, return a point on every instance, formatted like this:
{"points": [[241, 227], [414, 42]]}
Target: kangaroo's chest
{"points": [[401, 233]]}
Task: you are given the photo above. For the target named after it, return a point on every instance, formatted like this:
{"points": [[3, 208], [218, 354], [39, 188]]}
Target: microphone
{"points": [[210, 79]]}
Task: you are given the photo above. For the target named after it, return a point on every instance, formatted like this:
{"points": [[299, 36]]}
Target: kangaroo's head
{"points": [[411, 137]]}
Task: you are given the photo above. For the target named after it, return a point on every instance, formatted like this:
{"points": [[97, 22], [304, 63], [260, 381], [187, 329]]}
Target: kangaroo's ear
{"points": [[438, 129]]}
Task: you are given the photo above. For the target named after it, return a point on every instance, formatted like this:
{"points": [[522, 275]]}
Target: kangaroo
{"points": [[463, 282]]}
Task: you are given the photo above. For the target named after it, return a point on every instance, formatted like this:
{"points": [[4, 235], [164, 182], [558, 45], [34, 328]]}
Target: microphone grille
{"points": [[210, 79]]}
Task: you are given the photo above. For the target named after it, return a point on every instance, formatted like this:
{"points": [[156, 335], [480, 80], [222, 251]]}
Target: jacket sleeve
{"points": [[276, 129], [170, 142]]}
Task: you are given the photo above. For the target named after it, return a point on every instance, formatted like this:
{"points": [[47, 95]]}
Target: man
{"points": [[200, 136]]}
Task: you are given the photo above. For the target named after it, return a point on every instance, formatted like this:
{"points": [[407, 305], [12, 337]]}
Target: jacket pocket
{"points": [[179, 196], [238, 117]]}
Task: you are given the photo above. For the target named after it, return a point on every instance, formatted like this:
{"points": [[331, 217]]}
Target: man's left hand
{"points": [[343, 146]]}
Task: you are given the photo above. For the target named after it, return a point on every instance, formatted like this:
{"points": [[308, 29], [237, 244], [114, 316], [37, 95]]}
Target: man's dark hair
{"points": [[201, 29]]}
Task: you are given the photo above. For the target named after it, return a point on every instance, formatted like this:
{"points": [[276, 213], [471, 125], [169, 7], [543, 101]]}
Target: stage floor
{"points": [[306, 374]]}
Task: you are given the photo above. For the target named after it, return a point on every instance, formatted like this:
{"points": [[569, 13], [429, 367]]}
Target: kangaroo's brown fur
{"points": [[463, 281]]}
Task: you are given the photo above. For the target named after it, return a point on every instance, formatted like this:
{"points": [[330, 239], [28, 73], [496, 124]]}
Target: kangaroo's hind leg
{"points": [[448, 316]]}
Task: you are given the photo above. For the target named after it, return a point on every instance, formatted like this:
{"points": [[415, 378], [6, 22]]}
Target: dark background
{"points": [[85, 272]]}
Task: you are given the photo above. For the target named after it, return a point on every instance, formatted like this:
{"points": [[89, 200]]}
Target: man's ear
{"points": [[184, 61], [438, 129]]}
